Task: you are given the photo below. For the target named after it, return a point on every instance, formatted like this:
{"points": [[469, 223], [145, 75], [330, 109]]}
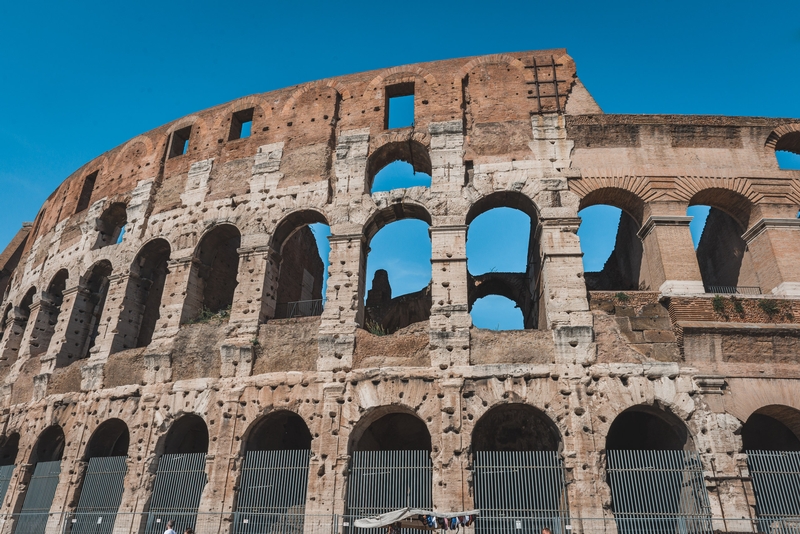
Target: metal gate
{"points": [[180, 479], [39, 498], [776, 482], [272, 494], [659, 492], [520, 492], [5, 478], [100, 496], [382, 481]]}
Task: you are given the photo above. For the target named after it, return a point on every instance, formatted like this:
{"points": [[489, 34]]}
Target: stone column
{"points": [[774, 245], [344, 305], [670, 255], [450, 488], [254, 297], [447, 156], [450, 320], [71, 330], [179, 297], [16, 325], [41, 323], [563, 306]]}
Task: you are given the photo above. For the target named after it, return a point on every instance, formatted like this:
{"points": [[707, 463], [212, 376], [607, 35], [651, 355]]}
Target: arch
{"points": [[515, 427], [332, 83], [772, 428], [785, 137], [390, 428], [399, 72], [49, 446], [411, 151], [508, 285], [393, 213], [278, 430], [111, 438], [27, 300], [187, 435], [503, 199], [57, 285], [645, 427], [216, 270], [733, 203], [6, 314], [9, 448], [97, 281], [292, 223], [494, 59], [627, 201], [111, 224], [150, 269]]}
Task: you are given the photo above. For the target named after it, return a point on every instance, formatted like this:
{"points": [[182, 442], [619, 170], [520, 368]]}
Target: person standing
{"points": [[170, 527]]}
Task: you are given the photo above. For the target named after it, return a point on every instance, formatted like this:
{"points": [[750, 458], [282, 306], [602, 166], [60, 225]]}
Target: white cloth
{"points": [[169, 531], [403, 514]]}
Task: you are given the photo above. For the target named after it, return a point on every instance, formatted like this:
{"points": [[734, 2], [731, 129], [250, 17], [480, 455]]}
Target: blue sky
{"points": [[79, 78]]}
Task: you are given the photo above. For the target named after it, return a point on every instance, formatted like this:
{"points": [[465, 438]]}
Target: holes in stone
{"points": [[86, 192]]}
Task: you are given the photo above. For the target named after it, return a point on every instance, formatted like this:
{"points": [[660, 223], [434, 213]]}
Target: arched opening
{"points": [[49, 310], [187, 435], [101, 491], [397, 445], [399, 266], [787, 151], [215, 274], [111, 225], [94, 302], [519, 474], [180, 475], [503, 263], [726, 265], [41, 489], [399, 165], [497, 312], [656, 476], [142, 305], [16, 324], [771, 440], [301, 244], [9, 447], [613, 260], [274, 478]]}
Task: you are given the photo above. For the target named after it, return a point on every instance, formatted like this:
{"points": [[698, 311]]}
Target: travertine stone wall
{"points": [[492, 131]]}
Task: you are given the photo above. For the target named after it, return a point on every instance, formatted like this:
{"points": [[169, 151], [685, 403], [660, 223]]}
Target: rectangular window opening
{"points": [[86, 192], [180, 142], [241, 124], [400, 105]]}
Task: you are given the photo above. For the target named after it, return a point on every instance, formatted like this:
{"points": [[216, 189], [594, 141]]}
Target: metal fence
{"points": [[38, 498], [734, 290], [272, 494], [776, 482], [180, 479], [100, 496], [382, 481], [661, 492], [519, 492], [6, 471], [300, 308]]}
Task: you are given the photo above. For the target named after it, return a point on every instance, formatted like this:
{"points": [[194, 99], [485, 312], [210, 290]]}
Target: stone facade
{"points": [[96, 327]]}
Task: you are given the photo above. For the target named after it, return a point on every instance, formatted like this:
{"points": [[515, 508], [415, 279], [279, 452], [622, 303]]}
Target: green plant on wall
{"points": [[738, 307], [622, 297], [769, 306], [719, 304]]}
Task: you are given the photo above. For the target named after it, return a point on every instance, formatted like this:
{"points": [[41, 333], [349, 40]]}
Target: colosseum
{"points": [[175, 348]]}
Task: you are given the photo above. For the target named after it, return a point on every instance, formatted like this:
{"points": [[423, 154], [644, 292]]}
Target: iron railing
{"points": [[101, 495], [6, 471], [299, 308], [382, 481], [272, 493], [520, 491], [734, 290], [776, 482], [658, 492], [179, 483], [39, 498]]}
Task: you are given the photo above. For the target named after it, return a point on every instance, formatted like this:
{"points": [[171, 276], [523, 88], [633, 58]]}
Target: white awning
{"points": [[408, 518]]}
